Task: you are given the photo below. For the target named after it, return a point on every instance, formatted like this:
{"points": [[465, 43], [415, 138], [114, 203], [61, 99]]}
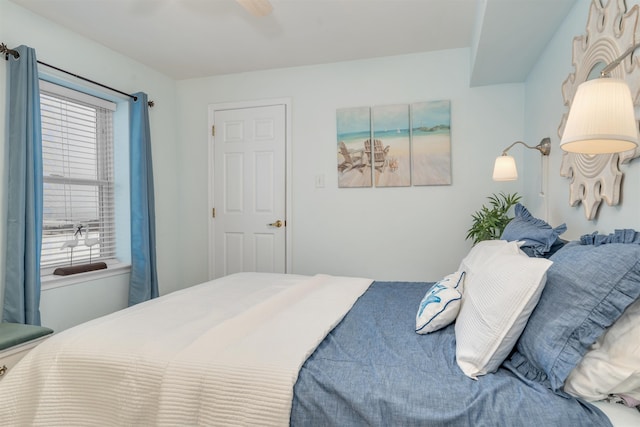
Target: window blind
{"points": [[78, 188]]}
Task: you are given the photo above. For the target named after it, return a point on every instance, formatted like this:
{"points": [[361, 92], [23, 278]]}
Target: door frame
{"points": [[212, 108]]}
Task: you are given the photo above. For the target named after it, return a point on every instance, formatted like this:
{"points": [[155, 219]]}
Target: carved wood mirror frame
{"points": [[611, 29]]}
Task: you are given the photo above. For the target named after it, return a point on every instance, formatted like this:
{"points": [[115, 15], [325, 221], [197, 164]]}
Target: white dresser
{"points": [[16, 341]]}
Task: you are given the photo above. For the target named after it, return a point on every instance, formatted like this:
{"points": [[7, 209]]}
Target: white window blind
{"points": [[78, 188]]}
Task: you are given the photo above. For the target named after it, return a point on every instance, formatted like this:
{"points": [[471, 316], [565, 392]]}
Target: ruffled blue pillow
{"points": [[540, 239], [588, 287], [626, 235]]}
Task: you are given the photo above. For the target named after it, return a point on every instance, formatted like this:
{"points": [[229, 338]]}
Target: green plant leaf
{"points": [[489, 223]]}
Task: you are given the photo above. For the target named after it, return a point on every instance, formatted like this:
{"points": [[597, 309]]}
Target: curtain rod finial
{"points": [[4, 49]]}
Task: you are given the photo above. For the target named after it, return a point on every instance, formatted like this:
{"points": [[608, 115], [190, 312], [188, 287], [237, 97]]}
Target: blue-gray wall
{"points": [[413, 233]]}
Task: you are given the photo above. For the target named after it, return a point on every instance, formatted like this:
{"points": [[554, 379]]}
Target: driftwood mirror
{"points": [[611, 29]]}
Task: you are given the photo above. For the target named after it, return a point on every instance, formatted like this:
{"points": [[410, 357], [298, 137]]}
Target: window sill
{"points": [[51, 281]]}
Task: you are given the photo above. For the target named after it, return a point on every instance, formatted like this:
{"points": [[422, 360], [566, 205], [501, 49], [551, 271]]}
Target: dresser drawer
{"points": [[12, 355]]}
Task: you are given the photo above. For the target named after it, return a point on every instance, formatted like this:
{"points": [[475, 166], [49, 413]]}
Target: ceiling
{"points": [[186, 39]]}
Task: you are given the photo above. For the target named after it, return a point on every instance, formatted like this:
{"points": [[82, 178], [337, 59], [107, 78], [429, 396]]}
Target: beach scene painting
{"points": [[353, 129], [391, 148], [431, 143]]}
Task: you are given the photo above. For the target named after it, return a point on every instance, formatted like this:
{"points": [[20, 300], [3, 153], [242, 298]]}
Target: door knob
{"points": [[276, 224]]}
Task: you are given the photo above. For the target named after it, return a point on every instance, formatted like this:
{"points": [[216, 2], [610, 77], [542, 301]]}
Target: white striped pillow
{"points": [[498, 300]]}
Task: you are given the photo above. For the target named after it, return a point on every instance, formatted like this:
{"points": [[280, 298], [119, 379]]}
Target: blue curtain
{"points": [[24, 190], [144, 277]]}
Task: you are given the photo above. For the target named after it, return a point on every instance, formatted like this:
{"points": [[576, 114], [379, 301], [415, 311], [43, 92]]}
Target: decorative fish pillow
{"points": [[441, 304]]}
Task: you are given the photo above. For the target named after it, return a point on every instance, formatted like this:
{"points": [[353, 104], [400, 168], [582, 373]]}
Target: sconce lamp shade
{"points": [[504, 169], [601, 119]]}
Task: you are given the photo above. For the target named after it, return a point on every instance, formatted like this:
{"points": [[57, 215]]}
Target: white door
{"points": [[249, 190]]}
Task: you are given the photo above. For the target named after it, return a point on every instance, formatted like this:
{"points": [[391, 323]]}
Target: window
{"points": [[78, 182]]}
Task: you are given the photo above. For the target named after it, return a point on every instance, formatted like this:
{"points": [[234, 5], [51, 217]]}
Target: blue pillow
{"points": [[588, 287], [538, 236], [626, 235]]}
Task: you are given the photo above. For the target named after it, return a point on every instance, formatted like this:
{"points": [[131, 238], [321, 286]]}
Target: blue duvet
{"points": [[373, 369]]}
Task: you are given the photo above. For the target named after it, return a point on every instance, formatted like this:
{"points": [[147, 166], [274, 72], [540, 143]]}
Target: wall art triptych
{"points": [[394, 145]]}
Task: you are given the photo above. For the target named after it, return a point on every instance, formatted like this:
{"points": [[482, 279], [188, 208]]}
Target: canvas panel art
{"points": [[391, 148], [431, 142], [353, 126], [394, 145]]}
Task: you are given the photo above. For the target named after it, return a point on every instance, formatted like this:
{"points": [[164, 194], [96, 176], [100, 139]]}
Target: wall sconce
{"points": [[504, 169], [602, 118]]}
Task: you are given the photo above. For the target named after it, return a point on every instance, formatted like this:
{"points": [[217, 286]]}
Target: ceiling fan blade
{"points": [[256, 7]]}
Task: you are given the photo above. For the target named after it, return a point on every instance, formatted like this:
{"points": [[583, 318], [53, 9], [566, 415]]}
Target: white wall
{"points": [[543, 111], [414, 233], [65, 306]]}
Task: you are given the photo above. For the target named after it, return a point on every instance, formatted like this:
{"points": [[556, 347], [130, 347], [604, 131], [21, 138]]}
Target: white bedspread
{"points": [[226, 352]]}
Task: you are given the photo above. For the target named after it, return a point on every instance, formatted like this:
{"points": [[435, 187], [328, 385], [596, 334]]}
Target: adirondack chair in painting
{"points": [[352, 158], [379, 156]]}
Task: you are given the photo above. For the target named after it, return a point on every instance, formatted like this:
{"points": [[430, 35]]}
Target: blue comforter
{"points": [[373, 369]]}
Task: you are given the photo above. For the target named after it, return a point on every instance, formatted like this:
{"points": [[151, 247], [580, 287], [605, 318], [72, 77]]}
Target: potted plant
{"points": [[489, 222]]}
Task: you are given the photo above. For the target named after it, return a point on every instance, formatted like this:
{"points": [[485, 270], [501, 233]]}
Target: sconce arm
{"points": [[544, 147], [606, 70]]}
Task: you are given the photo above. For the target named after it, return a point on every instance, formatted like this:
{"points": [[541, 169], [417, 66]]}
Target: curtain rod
{"points": [[4, 49]]}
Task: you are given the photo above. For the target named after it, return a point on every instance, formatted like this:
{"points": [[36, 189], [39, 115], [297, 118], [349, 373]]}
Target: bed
{"points": [[270, 349]]}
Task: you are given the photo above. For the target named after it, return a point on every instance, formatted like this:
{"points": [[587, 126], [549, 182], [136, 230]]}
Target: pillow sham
{"points": [[588, 287], [482, 251], [441, 304], [612, 364], [625, 235], [497, 301], [538, 236]]}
